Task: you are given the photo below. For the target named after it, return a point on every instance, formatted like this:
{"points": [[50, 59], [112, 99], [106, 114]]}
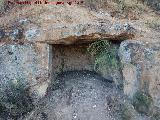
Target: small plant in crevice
{"points": [[142, 102], [17, 100], [105, 55]]}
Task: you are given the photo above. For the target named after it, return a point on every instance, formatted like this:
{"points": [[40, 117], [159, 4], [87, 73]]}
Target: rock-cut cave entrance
{"points": [[75, 57]]}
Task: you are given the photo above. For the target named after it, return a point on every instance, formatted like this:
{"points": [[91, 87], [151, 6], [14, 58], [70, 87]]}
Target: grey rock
{"points": [[22, 62]]}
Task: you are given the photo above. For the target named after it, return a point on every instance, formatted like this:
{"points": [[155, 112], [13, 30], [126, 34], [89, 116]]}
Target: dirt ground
{"points": [[79, 96]]}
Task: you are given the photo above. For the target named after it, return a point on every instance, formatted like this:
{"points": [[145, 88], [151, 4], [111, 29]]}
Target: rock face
{"points": [[77, 57], [25, 40], [31, 42], [70, 58], [28, 62], [141, 68], [62, 25]]}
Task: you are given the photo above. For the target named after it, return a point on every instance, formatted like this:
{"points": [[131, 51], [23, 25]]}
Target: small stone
{"points": [[94, 106], [75, 115]]}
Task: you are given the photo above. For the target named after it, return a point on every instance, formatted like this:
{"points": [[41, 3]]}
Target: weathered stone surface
{"points": [[24, 52], [32, 33], [28, 62], [141, 68], [69, 24], [76, 58], [26, 36], [70, 58]]}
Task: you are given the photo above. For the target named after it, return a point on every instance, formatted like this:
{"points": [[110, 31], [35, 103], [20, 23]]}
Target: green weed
{"points": [[105, 55]]}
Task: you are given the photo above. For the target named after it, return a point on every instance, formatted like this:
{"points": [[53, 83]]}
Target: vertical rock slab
{"points": [[28, 62], [141, 68]]}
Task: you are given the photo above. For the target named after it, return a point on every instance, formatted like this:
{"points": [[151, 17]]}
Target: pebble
{"points": [[94, 106]]}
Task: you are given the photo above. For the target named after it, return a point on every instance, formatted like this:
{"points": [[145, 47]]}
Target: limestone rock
{"points": [[62, 25], [28, 62], [141, 68]]}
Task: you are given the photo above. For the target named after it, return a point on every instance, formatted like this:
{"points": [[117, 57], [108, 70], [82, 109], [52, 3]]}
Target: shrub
{"points": [[105, 55]]}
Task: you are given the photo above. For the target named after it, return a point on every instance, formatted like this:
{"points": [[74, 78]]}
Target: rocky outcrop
{"points": [[62, 25], [141, 68], [25, 40]]}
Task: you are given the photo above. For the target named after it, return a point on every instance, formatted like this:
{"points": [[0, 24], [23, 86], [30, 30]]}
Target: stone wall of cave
{"points": [[75, 57], [70, 58]]}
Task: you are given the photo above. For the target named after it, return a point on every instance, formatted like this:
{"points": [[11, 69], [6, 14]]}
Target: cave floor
{"points": [[80, 96]]}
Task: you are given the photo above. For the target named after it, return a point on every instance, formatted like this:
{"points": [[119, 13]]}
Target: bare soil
{"points": [[80, 95]]}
